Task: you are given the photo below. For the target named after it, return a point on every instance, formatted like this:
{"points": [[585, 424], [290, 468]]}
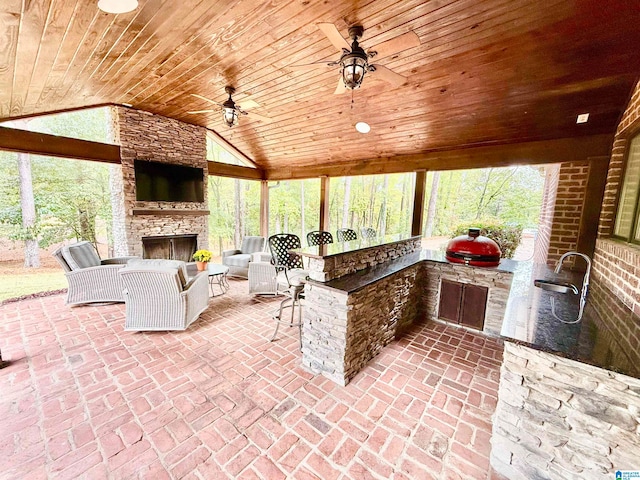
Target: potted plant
{"points": [[202, 257]]}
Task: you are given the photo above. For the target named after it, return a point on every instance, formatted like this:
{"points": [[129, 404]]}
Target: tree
{"points": [[302, 223], [486, 198], [239, 213], [345, 206], [431, 209], [28, 208], [382, 219]]}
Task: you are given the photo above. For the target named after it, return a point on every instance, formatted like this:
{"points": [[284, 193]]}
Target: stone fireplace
{"points": [[168, 228]]}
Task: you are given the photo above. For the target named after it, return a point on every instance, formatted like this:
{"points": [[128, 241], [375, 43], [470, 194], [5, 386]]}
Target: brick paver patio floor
{"points": [[82, 398]]}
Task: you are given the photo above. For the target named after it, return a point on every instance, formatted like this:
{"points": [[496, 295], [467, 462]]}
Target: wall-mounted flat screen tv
{"points": [[164, 182]]}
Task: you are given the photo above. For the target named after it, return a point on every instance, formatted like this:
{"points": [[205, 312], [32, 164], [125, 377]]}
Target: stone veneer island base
{"points": [[569, 397], [342, 331], [361, 294], [558, 418], [497, 281]]}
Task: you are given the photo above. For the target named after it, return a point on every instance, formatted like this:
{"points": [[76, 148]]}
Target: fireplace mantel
{"points": [[173, 212]]}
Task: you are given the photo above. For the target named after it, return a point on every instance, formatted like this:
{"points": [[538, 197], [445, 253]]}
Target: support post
{"points": [[324, 203], [264, 208], [418, 202], [592, 204]]}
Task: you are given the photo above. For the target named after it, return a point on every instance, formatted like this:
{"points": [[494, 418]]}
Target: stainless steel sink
{"points": [[562, 287], [559, 287]]}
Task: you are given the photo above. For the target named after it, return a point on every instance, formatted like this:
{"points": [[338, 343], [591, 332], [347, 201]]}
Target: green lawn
{"points": [[12, 286]]}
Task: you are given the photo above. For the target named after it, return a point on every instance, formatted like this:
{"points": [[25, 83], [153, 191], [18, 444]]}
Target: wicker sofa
{"points": [[160, 296], [90, 279], [238, 260]]}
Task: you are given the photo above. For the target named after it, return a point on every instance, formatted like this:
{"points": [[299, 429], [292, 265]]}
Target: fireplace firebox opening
{"points": [[170, 247]]}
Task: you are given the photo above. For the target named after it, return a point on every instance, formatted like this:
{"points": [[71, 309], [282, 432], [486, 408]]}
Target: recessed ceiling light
{"points": [[363, 127], [127, 105], [117, 6], [583, 118]]}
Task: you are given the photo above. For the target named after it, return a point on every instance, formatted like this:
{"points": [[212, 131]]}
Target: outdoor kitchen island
{"points": [[362, 294], [358, 294], [569, 397]]}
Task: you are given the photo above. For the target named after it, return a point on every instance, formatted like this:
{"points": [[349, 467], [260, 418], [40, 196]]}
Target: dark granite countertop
{"points": [[608, 336], [356, 281], [339, 248]]}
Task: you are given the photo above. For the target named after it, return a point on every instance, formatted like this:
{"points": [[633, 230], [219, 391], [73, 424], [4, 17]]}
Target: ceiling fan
{"points": [[354, 61], [230, 110]]}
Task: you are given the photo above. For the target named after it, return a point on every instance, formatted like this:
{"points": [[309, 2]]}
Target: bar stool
{"points": [[290, 276], [346, 234], [368, 232], [319, 237]]}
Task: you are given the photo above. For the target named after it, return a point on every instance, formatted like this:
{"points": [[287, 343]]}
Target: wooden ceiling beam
{"points": [[15, 140], [526, 153], [234, 171], [229, 147]]}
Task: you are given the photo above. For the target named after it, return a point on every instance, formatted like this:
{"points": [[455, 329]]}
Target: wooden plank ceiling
{"points": [[487, 72]]}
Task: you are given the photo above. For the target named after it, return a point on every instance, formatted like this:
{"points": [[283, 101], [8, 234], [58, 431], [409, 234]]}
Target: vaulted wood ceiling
{"points": [[487, 72]]}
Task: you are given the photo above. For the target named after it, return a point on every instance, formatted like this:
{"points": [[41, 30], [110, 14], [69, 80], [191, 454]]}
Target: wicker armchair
{"points": [[90, 279], [262, 275], [238, 260], [159, 296]]}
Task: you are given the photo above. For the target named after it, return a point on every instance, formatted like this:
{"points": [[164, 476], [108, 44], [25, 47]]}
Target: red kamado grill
{"points": [[474, 249]]}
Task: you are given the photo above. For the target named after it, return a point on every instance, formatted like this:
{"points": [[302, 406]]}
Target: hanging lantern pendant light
{"points": [[229, 110], [355, 63]]}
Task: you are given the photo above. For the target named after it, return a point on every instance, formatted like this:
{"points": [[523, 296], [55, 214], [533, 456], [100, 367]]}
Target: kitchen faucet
{"points": [[585, 281], [585, 284]]}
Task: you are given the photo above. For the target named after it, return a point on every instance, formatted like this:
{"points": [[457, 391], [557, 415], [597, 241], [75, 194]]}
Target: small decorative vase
{"points": [[202, 266]]}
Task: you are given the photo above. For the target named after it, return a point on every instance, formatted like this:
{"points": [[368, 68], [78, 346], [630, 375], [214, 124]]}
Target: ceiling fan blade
{"points": [[332, 33], [389, 76], [395, 45], [203, 111], [204, 98], [341, 88], [312, 65], [260, 118], [248, 104], [308, 67]]}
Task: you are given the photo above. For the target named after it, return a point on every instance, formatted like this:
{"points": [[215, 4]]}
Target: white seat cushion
{"points": [[161, 263], [239, 260], [296, 277]]}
